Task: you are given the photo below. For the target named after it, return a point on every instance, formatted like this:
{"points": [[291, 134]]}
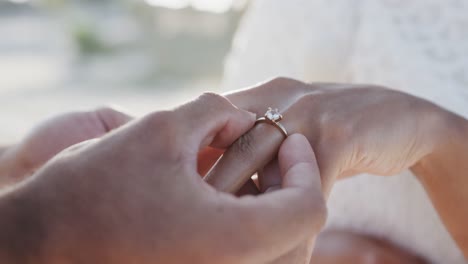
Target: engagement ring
{"points": [[272, 117]]}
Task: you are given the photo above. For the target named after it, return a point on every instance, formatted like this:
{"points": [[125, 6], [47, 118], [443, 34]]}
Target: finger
{"points": [[295, 153], [283, 219], [249, 188], [303, 252], [242, 159], [212, 120], [299, 255], [269, 176], [112, 118], [248, 154], [279, 93], [207, 157], [81, 145]]}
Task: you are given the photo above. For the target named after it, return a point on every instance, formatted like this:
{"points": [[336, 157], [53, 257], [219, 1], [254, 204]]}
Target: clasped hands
{"points": [[137, 195]]}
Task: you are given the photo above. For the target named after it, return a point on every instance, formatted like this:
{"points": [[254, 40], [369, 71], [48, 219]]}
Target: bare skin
{"points": [[52, 136], [436, 159], [341, 246], [135, 196], [352, 131]]}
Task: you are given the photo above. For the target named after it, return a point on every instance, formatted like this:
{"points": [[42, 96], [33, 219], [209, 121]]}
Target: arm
{"points": [[444, 175]]}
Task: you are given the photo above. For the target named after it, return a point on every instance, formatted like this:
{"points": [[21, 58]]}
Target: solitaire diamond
{"points": [[273, 114]]}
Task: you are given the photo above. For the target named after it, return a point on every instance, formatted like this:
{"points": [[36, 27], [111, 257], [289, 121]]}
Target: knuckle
{"points": [[312, 99], [321, 212], [107, 116], [281, 80], [375, 87], [307, 109], [210, 102], [163, 127], [331, 126], [281, 83], [215, 100], [158, 120], [312, 102], [104, 109]]}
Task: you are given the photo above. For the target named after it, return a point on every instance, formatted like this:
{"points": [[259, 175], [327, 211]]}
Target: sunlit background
{"points": [[62, 55]]}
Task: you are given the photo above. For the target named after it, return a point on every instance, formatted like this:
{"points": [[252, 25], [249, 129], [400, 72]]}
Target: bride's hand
{"points": [[352, 129]]}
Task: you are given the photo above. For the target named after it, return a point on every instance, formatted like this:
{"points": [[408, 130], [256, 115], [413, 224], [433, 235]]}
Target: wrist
{"points": [[452, 135], [450, 144], [443, 175]]}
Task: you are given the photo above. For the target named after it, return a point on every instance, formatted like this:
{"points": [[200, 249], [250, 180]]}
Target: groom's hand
{"points": [[135, 196], [53, 135]]}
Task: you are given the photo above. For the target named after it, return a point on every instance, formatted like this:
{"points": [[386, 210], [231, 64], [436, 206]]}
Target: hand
{"points": [[135, 197], [56, 134], [352, 129]]}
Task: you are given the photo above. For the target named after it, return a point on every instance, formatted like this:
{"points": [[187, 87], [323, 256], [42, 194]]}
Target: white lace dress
{"points": [[417, 46]]}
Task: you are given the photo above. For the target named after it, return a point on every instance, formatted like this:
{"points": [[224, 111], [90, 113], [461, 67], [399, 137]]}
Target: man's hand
{"points": [[135, 196], [54, 135]]}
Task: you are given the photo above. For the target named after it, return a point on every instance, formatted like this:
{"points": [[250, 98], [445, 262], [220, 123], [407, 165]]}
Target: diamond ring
{"points": [[272, 117]]}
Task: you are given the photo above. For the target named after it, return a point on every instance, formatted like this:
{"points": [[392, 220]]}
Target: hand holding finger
{"points": [[293, 213]]}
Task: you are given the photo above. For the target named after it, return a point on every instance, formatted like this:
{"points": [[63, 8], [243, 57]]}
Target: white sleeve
{"points": [[309, 40]]}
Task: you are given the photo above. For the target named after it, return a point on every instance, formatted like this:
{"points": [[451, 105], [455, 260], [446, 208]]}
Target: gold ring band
{"points": [[276, 124], [272, 117]]}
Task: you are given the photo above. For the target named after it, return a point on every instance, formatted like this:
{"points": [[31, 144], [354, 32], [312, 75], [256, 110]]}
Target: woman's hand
{"points": [[54, 135], [356, 129], [352, 128]]}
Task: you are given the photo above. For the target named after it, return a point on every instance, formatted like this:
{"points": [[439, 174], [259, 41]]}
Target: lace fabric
{"points": [[416, 46]]}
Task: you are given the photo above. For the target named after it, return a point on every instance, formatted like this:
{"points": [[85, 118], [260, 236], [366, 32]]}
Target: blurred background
{"points": [[142, 55]]}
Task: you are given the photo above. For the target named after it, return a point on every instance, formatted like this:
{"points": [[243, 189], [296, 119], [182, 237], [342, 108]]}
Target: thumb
{"points": [[298, 164], [296, 211]]}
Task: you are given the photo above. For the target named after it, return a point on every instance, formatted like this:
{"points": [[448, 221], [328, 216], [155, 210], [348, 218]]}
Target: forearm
{"points": [[444, 175]]}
